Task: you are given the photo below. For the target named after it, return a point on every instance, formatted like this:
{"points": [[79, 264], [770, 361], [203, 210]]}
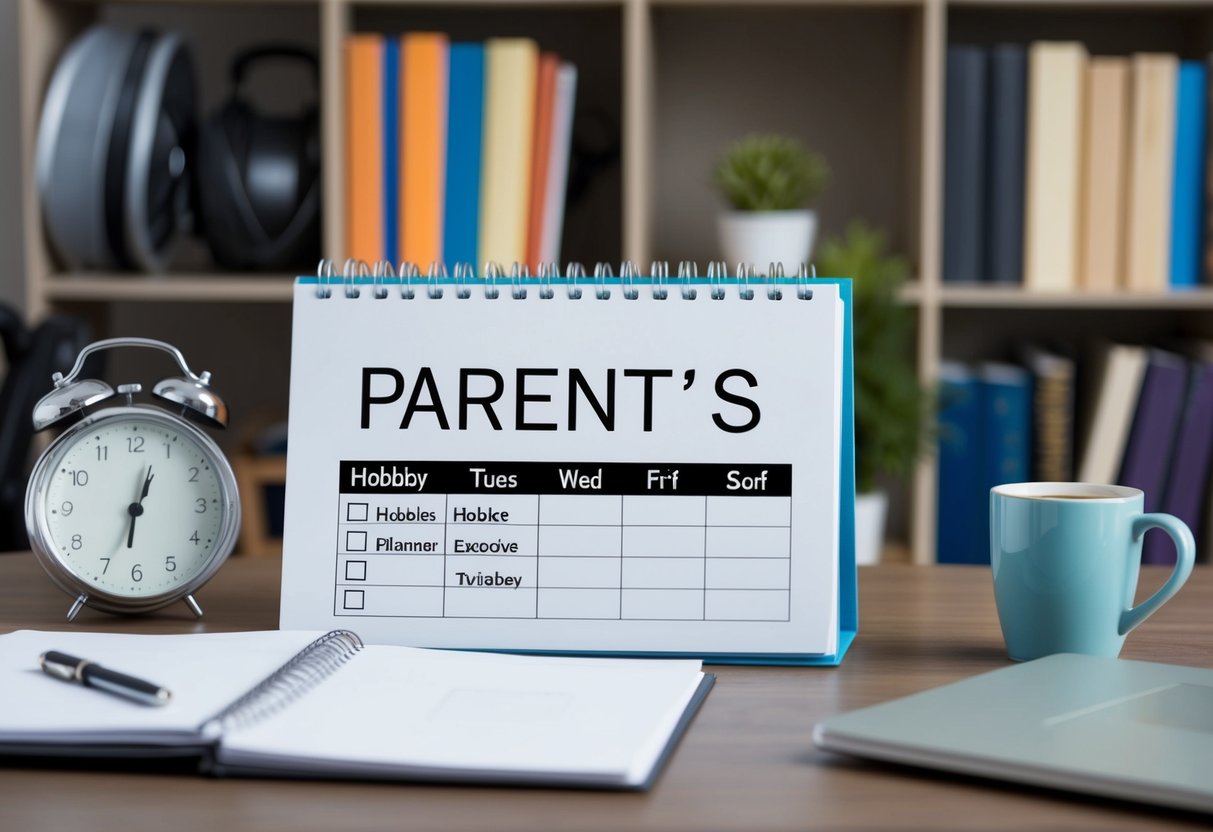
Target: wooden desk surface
{"points": [[747, 763]]}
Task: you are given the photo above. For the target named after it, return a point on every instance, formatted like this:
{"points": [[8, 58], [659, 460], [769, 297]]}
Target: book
{"points": [[1053, 396], [509, 115], [637, 499], [1117, 372], [1188, 180], [1056, 74], [465, 126], [964, 164], [1005, 392], [391, 149], [1152, 130], [1104, 172], [424, 66], [300, 704], [541, 151], [1187, 483], [1007, 115], [961, 502], [558, 163], [364, 151], [1155, 422]]}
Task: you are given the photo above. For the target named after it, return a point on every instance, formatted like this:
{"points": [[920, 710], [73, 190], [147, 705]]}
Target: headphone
{"points": [[32, 355], [119, 169], [259, 182]]}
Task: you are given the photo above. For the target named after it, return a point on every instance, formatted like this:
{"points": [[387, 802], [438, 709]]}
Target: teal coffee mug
{"points": [[1066, 557]]}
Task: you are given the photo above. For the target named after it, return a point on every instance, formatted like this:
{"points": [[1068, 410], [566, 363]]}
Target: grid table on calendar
{"points": [[538, 543]]}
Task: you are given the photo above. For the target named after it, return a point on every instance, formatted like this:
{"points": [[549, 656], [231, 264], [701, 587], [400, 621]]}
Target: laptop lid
{"points": [[1124, 729]]}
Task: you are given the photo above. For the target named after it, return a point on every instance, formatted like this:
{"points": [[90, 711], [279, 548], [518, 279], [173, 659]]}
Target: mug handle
{"points": [[1185, 557]]}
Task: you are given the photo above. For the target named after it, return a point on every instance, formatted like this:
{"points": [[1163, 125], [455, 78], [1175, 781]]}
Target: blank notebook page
{"points": [[203, 672], [405, 711]]}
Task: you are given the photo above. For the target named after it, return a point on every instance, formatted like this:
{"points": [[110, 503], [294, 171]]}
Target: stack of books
{"points": [[1070, 172], [1141, 417], [455, 152]]}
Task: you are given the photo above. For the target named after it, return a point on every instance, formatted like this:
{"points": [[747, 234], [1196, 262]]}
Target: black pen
{"points": [[71, 669]]}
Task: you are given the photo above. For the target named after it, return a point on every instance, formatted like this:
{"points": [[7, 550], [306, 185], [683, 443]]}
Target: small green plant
{"points": [[891, 410], [770, 173]]}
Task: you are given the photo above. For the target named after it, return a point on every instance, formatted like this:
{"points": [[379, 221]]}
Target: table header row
{"points": [[626, 478]]}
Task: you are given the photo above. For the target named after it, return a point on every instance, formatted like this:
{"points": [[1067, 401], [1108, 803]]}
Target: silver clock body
{"points": [[132, 509]]}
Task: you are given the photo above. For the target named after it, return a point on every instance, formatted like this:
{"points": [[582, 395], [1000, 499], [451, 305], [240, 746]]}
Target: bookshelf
{"points": [[664, 85]]}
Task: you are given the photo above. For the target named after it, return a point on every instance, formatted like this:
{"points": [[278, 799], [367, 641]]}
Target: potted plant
{"points": [[890, 407], [768, 182]]}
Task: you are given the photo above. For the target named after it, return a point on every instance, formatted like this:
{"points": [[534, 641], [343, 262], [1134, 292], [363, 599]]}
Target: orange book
{"points": [[541, 145], [364, 147], [1151, 162], [1104, 169], [424, 67]]}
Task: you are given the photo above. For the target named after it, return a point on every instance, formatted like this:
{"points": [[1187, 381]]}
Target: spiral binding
{"points": [[379, 278], [306, 669]]}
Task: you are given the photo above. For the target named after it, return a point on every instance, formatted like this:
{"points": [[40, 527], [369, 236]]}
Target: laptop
{"points": [[1124, 729]]}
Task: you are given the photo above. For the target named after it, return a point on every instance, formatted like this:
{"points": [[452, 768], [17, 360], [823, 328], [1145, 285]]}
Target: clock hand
{"points": [[136, 509]]}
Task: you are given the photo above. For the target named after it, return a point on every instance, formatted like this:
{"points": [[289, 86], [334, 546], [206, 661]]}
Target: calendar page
{"points": [[622, 474]]}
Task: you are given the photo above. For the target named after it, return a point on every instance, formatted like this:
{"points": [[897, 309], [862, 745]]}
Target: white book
{"points": [[297, 703], [1119, 374], [1053, 164]]}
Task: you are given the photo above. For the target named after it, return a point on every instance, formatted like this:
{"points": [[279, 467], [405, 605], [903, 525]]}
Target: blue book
{"points": [[965, 146], [465, 120], [960, 500], [1006, 126], [1188, 188], [391, 148], [1006, 434]]}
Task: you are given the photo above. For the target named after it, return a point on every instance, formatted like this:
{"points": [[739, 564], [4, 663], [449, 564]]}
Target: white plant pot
{"points": [[870, 511], [764, 237]]}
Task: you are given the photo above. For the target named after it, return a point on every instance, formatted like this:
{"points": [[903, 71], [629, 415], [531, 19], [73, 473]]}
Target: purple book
{"points": [[1188, 479], [1159, 405]]}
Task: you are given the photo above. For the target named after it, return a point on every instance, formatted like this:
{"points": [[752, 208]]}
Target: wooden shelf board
{"points": [[234, 288], [1084, 5], [1012, 297]]}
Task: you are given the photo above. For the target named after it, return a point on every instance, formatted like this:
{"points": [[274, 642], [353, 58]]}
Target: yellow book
{"points": [[510, 66], [423, 102], [1152, 131], [1051, 197], [1104, 174]]}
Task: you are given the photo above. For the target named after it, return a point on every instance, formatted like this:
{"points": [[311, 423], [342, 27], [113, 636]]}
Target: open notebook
{"points": [[295, 703]]}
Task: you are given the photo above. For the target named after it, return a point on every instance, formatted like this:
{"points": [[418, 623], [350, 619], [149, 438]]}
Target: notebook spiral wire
{"points": [[306, 669], [382, 280]]}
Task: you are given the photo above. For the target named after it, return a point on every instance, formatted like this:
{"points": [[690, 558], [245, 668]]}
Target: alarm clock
{"points": [[133, 507]]}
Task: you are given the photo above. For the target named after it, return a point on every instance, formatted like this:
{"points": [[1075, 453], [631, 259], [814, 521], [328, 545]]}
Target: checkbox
{"points": [[355, 599], [355, 570], [357, 512], [355, 541]]}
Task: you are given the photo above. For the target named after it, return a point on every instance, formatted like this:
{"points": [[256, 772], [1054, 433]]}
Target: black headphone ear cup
{"points": [[118, 156], [156, 193], [259, 188], [74, 134]]}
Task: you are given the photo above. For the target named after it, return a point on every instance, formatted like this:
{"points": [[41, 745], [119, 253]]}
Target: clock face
{"points": [[135, 505]]}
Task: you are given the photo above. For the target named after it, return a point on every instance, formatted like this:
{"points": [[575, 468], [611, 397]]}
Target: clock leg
{"points": [[193, 605], [76, 607]]}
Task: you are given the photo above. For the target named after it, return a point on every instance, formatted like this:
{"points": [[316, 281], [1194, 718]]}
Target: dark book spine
{"points": [[1151, 437], [1188, 479], [964, 164], [1007, 128]]}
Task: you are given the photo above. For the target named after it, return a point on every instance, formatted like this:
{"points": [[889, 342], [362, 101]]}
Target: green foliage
{"points": [[890, 407], [770, 173]]}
